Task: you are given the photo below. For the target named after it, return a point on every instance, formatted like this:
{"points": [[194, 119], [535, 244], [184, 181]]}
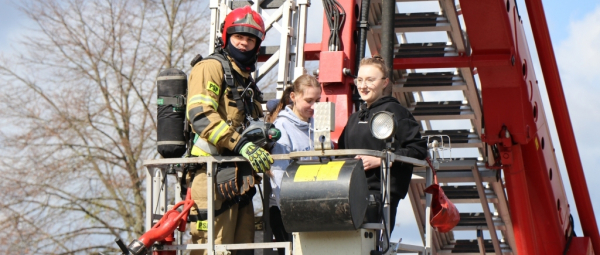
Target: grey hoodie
{"points": [[296, 135]]}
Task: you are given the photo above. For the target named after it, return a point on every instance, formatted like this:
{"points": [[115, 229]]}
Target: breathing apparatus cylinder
{"points": [[171, 91]]}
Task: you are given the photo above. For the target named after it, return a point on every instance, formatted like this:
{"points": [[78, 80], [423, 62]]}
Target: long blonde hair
{"points": [[298, 86]]}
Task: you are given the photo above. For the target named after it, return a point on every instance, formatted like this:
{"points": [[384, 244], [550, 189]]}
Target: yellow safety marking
{"points": [[330, 172], [198, 152], [307, 173], [537, 145], [204, 99], [211, 86], [320, 172], [217, 132], [202, 225]]}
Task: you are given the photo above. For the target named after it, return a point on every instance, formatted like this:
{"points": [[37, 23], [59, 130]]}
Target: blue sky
{"points": [[11, 22], [575, 30], [561, 13]]}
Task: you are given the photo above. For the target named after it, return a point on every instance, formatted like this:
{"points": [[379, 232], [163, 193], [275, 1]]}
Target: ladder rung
{"points": [[439, 108], [420, 22], [450, 136], [452, 87], [463, 114], [472, 247], [442, 81], [454, 176], [461, 138], [266, 4], [467, 194], [474, 221], [432, 49], [424, 79]]}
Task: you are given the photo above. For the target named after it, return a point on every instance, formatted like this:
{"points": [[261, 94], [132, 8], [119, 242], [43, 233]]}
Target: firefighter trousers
{"points": [[235, 225]]}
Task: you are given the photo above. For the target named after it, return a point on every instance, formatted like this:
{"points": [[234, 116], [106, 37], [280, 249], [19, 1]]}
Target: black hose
{"points": [[571, 235], [364, 27], [336, 15], [388, 35], [386, 198]]}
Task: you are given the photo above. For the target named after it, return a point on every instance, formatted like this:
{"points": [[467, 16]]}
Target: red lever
{"points": [[163, 230]]}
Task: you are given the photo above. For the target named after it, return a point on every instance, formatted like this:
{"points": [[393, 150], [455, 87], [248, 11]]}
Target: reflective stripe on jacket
{"points": [[213, 117]]}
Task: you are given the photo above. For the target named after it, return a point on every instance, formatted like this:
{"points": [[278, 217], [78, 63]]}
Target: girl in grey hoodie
{"points": [[295, 122]]}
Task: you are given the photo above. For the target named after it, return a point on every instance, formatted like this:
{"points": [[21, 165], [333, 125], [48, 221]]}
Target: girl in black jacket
{"points": [[372, 83]]}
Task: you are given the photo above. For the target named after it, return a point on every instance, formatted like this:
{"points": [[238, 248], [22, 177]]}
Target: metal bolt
{"points": [[348, 72]]}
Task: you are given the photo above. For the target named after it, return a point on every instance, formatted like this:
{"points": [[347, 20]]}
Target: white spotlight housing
{"points": [[383, 125]]}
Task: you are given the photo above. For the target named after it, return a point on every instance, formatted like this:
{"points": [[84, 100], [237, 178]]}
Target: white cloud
{"points": [[578, 59]]}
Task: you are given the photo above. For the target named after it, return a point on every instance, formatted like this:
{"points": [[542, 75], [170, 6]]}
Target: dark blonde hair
{"points": [[303, 81], [378, 62]]}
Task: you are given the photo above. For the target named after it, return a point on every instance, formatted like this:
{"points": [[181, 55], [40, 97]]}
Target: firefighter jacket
{"points": [[213, 113]]}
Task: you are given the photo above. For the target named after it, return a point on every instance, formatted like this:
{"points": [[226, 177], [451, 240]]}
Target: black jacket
{"points": [[408, 142]]}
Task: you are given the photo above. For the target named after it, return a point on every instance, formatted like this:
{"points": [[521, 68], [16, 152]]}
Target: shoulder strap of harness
{"points": [[229, 78]]}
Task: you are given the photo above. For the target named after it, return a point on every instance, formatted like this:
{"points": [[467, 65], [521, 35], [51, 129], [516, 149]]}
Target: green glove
{"points": [[259, 158]]}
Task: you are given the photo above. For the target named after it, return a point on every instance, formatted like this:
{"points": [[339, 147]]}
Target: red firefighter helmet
{"points": [[243, 20]]}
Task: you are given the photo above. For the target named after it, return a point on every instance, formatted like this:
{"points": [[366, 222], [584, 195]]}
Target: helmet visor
{"points": [[245, 30]]}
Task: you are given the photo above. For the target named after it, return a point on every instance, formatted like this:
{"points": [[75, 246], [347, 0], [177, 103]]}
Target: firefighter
{"points": [[217, 114]]}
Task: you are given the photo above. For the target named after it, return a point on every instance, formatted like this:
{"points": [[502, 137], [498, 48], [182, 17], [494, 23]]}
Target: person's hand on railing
{"points": [[258, 157]]}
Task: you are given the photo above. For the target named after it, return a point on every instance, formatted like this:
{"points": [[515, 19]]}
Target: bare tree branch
{"points": [[79, 100]]}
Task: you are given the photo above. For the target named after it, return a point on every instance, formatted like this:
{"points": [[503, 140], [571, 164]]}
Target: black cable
{"points": [[182, 183], [363, 27], [336, 16], [260, 192], [571, 235], [381, 211], [387, 237]]}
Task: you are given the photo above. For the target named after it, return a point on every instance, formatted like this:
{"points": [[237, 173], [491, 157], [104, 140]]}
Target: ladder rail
{"points": [[457, 45]]}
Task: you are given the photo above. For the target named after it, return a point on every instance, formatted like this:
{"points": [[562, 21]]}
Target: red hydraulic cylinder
{"points": [[564, 128], [518, 199], [580, 246], [539, 183]]}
